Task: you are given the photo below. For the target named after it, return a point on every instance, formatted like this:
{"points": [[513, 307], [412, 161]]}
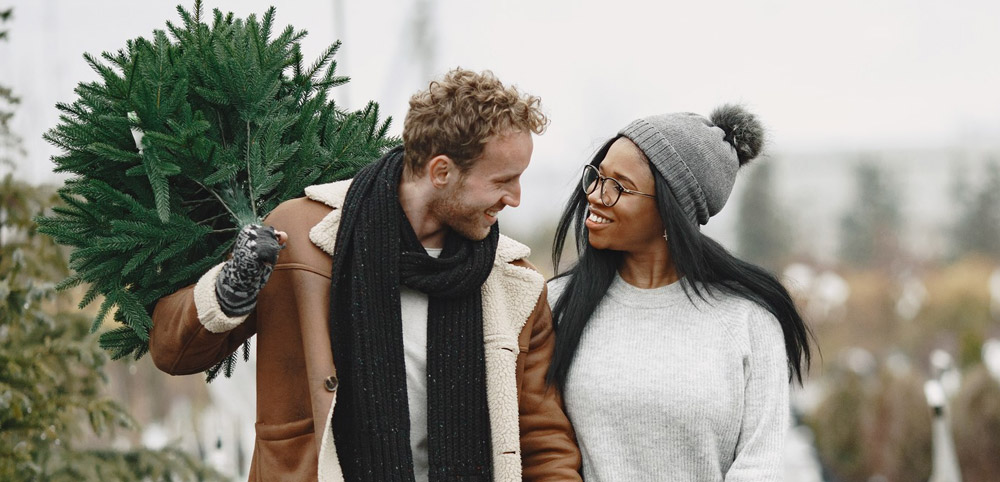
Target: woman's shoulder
{"points": [[746, 319]]}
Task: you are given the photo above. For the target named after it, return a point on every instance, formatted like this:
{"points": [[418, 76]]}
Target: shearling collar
{"points": [[324, 233]]}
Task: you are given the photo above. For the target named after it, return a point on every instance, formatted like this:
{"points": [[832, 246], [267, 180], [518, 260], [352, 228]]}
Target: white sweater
{"points": [[413, 310], [665, 389]]}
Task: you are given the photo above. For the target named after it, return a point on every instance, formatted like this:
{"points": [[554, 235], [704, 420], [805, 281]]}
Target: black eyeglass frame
{"points": [[588, 188]]}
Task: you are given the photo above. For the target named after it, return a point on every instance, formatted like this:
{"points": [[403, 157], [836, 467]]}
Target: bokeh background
{"points": [[877, 200]]}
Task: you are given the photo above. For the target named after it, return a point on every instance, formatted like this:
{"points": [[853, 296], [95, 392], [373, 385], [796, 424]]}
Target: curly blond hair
{"points": [[458, 114]]}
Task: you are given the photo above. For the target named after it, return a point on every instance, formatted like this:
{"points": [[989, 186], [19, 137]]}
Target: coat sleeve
{"points": [[548, 445], [191, 333], [760, 449]]}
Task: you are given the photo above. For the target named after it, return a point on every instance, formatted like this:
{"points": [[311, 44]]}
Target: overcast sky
{"points": [[846, 76]]}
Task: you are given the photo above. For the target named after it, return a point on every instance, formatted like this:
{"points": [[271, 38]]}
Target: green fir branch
{"points": [[233, 124]]}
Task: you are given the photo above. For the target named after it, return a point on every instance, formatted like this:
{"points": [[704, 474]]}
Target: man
{"points": [[397, 301]]}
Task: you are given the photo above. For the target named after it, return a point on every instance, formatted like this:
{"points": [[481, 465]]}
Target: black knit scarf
{"points": [[376, 252]]}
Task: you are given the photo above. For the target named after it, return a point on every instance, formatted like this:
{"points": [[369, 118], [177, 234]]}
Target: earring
{"points": [[665, 235]]}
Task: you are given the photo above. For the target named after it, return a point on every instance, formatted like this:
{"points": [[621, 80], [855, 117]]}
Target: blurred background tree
{"points": [[870, 228], [871, 421], [874, 424], [762, 227], [55, 423], [977, 426], [977, 230], [10, 144]]}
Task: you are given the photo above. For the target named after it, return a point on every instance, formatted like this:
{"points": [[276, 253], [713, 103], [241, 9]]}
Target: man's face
{"points": [[470, 206]]}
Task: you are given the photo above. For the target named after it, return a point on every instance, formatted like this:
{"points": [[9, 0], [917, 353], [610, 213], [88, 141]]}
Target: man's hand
{"points": [[243, 276]]}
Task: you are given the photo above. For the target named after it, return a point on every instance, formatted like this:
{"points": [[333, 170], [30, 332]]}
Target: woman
{"points": [[674, 356]]}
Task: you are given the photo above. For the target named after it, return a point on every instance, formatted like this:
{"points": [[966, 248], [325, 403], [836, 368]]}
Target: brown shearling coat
{"points": [[296, 379]]}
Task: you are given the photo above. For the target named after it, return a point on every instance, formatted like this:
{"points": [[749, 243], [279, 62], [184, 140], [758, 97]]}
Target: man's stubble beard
{"points": [[460, 217]]}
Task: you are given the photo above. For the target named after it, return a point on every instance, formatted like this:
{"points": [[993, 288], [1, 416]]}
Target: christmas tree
{"points": [[52, 376], [186, 138]]}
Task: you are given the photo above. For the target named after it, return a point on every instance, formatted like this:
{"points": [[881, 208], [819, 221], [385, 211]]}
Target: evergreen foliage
{"points": [[763, 235], [870, 227], [5, 17], [231, 124], [10, 143], [51, 407], [977, 229]]}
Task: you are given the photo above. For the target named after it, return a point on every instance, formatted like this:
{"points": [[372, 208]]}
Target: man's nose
{"points": [[513, 197]]}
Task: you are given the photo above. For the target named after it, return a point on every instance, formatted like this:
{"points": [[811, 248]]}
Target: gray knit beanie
{"points": [[699, 157]]}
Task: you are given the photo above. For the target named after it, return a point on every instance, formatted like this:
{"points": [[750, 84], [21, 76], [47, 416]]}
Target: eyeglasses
{"points": [[609, 194]]}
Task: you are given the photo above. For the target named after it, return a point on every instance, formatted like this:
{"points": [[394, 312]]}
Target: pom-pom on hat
{"points": [[699, 157]]}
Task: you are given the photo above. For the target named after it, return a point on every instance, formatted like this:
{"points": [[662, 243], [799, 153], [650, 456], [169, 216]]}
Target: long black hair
{"points": [[696, 257]]}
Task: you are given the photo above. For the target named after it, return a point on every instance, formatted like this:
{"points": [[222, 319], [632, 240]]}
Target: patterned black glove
{"points": [[242, 277]]}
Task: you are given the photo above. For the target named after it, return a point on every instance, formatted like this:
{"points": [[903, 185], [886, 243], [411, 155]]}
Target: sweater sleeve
{"points": [[760, 449]]}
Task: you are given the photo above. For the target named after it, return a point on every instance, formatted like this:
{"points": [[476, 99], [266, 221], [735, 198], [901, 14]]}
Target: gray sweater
{"points": [[665, 389]]}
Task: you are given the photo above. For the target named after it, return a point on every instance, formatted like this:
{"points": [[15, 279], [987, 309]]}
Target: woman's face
{"points": [[633, 224]]}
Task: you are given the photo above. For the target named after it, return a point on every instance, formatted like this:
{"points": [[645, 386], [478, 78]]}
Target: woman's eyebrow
{"points": [[624, 178], [620, 178]]}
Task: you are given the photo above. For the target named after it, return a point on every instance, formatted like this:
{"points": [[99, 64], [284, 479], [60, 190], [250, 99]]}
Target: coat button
{"points": [[331, 383]]}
